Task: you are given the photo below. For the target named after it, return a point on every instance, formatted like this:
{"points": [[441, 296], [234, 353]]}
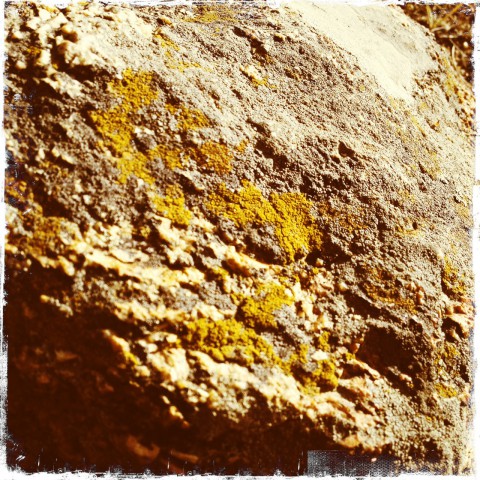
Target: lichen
{"points": [[213, 13], [452, 280], [230, 340], [322, 341], [172, 157], [259, 311], [212, 156], [116, 125], [181, 66], [166, 43], [256, 78], [188, 118], [325, 377], [446, 391], [172, 206], [289, 213], [381, 285]]}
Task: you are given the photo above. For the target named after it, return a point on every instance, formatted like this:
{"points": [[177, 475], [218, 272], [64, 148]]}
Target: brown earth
{"points": [[236, 234]]}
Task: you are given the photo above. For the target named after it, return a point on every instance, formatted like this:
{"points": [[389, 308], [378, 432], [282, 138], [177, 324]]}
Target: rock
{"points": [[223, 252]]}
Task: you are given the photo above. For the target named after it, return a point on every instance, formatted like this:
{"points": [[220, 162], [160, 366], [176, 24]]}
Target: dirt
{"points": [[237, 233]]}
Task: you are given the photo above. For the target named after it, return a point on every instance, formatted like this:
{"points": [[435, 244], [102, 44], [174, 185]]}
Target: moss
{"points": [[290, 213], [213, 156], [258, 311], [172, 206]]}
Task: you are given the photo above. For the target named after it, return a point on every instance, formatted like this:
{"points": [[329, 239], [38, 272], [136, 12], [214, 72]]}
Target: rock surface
{"points": [[236, 233]]}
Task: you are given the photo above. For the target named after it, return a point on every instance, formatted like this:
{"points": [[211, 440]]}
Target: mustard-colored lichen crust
{"points": [[229, 245]]}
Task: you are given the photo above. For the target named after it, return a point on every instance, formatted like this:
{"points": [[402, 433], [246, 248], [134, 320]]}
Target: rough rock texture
{"points": [[236, 234]]}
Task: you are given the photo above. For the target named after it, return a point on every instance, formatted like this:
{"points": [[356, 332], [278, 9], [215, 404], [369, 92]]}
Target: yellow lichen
{"points": [[172, 206], [212, 156], [242, 146], [135, 90], [230, 340], [325, 377], [258, 311], [134, 163], [188, 118], [181, 66], [382, 286], [446, 391], [213, 13], [322, 342], [166, 43], [452, 280], [256, 78], [116, 125], [172, 157], [449, 352], [289, 213]]}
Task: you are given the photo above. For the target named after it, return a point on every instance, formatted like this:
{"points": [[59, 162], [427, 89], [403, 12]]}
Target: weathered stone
{"points": [[236, 234]]}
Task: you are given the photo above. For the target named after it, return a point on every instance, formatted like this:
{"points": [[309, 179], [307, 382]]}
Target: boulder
{"points": [[237, 234]]}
